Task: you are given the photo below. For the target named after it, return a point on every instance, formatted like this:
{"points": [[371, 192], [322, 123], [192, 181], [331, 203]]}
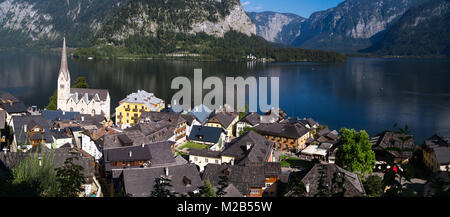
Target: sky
{"points": [[303, 8]]}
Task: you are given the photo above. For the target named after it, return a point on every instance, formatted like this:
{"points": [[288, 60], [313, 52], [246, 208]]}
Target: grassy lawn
{"points": [[191, 145], [294, 162]]}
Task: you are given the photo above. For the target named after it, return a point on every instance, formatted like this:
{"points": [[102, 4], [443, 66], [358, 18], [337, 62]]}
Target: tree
{"points": [[207, 190], [160, 189], [53, 102], [355, 154], [81, 83], [246, 130], [296, 188], [374, 186], [69, 178], [35, 176], [223, 183]]}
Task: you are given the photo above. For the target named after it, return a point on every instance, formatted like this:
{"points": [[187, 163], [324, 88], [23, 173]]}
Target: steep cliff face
{"points": [[148, 17], [277, 27], [25, 23], [351, 25], [423, 30]]}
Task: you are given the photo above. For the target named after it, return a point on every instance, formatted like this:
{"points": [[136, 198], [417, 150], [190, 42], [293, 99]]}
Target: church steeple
{"points": [[63, 80], [64, 67]]}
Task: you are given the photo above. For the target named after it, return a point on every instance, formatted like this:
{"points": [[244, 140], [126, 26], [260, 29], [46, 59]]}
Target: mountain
{"points": [[352, 25], [29, 23], [277, 27], [423, 30], [207, 29], [148, 17]]}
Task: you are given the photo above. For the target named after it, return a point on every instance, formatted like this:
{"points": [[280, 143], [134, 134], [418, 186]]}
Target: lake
{"points": [[363, 93]]}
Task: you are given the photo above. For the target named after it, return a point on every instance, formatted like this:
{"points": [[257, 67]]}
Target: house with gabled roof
{"points": [[225, 120], [251, 120], [436, 153], [251, 179], [329, 175], [30, 131]]}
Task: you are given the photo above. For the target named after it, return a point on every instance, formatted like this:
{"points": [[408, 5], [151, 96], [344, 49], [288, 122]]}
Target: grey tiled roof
{"points": [[15, 107], [157, 153], [251, 118], [205, 153], [224, 118], [442, 155], [242, 177], [286, 129], [390, 142], [352, 182], [260, 148], [2, 119], [30, 122], [91, 93], [59, 115], [140, 182]]}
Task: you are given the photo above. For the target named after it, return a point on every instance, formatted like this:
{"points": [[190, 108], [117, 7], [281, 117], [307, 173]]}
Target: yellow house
{"points": [[130, 108]]}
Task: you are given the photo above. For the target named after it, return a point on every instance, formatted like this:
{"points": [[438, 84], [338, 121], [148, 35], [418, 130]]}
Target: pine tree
{"points": [[160, 189]]}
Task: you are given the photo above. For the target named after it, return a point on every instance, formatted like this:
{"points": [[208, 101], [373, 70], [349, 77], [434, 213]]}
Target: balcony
{"points": [[135, 110], [127, 109]]}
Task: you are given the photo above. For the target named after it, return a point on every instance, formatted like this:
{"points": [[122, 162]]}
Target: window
{"points": [[93, 111], [217, 161], [71, 109], [195, 158], [254, 191], [206, 160]]}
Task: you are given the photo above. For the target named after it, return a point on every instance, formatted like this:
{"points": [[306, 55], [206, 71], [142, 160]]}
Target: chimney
{"points": [[82, 118], [40, 161], [25, 128], [166, 171], [143, 145], [307, 188], [5, 150], [249, 146], [130, 153], [64, 113]]}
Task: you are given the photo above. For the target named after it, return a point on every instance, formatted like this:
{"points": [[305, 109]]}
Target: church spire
{"points": [[64, 67]]}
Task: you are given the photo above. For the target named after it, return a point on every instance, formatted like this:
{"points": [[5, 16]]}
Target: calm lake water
{"points": [[364, 93]]}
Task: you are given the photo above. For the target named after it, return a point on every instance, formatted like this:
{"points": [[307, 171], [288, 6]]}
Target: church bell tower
{"points": [[63, 80]]}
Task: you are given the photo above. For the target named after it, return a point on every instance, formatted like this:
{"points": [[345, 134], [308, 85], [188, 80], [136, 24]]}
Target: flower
{"points": [[395, 169]]}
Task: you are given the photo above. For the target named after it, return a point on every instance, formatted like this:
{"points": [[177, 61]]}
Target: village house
{"points": [[251, 147], [85, 101], [290, 135], [185, 180], [251, 179], [329, 174], [145, 155], [390, 145], [436, 154], [213, 137], [30, 131], [225, 120], [13, 109], [250, 120], [174, 122], [129, 110], [60, 138]]}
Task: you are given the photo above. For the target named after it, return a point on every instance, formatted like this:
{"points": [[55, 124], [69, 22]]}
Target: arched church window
{"points": [[93, 111], [71, 109]]}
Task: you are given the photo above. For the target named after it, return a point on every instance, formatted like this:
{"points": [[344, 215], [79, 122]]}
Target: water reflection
{"points": [[368, 94]]}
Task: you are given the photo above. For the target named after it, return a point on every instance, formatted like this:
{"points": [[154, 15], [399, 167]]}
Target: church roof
{"points": [[64, 70], [89, 94]]}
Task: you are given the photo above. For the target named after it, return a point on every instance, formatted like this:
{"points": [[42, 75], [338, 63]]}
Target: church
{"points": [[85, 101]]}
